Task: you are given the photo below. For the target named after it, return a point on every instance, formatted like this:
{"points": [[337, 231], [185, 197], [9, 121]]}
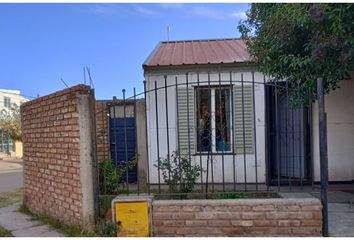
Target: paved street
{"points": [[10, 175]]}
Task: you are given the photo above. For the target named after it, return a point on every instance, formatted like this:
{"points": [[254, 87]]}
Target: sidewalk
{"points": [[341, 220], [21, 224]]}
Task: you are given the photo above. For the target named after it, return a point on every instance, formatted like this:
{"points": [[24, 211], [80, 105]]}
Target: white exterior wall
{"points": [[172, 111], [340, 133], [14, 95], [15, 98]]}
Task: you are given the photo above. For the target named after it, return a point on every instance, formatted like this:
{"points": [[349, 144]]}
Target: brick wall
{"points": [[52, 156], [102, 130], [252, 217]]}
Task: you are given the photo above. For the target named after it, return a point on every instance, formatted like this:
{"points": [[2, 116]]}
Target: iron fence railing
{"points": [[240, 132]]}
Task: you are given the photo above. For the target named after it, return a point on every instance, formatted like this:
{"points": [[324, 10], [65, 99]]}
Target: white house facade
{"points": [[194, 86]]}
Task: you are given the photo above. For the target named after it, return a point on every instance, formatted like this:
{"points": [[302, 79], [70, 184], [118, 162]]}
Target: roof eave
{"points": [[151, 54], [148, 68]]}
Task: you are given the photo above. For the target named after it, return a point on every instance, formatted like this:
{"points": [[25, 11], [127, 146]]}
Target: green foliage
{"points": [[105, 204], [8, 198], [178, 172], [10, 123], [67, 230], [5, 233], [301, 42], [245, 195], [107, 229], [103, 228], [110, 176]]}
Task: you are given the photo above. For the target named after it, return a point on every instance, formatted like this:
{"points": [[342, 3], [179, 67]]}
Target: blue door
{"points": [[121, 150]]}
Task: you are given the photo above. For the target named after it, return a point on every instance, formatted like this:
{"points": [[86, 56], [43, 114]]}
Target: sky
{"points": [[40, 44]]}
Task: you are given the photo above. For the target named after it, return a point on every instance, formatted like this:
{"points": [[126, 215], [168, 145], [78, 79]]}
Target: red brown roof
{"points": [[215, 51]]}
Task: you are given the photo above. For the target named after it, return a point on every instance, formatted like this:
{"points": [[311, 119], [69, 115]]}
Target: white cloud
{"points": [[208, 12], [103, 9], [239, 14], [171, 5], [217, 14], [158, 10], [146, 11]]}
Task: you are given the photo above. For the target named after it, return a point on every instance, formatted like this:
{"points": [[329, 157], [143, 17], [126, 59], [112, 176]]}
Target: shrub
{"points": [[179, 173], [110, 176], [107, 229]]}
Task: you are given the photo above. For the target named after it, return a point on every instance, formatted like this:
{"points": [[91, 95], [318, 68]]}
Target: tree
{"points": [[10, 123], [301, 42]]}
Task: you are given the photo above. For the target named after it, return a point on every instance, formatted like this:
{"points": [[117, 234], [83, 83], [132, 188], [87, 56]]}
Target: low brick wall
{"points": [[251, 217]]}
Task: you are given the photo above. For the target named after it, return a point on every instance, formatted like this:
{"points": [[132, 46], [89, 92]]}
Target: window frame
{"points": [[213, 119], [7, 102]]}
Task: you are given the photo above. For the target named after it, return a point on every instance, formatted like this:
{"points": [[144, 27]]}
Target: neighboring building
{"points": [[256, 149], [10, 99]]}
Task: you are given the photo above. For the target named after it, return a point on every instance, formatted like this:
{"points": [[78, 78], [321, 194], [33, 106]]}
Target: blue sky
{"points": [[41, 43]]}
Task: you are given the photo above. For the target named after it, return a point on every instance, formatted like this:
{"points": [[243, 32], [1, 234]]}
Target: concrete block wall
{"points": [[102, 130], [251, 217], [59, 155]]}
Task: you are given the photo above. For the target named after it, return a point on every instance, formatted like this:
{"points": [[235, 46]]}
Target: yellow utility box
{"points": [[132, 215]]}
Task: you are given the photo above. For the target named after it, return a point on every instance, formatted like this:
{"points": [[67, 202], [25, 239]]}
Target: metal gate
{"points": [[123, 142], [289, 140]]}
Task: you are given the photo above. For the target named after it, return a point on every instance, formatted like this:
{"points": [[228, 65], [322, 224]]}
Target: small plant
{"points": [[179, 173], [111, 176], [107, 229], [5, 233]]}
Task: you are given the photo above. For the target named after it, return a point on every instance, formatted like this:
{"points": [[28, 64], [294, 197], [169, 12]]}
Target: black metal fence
{"points": [[208, 133]]}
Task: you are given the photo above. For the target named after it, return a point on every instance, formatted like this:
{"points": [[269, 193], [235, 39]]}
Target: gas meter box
{"points": [[132, 215]]}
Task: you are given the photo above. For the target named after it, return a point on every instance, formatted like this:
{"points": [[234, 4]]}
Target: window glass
{"points": [[204, 120], [7, 102], [222, 119], [213, 119], [1, 142]]}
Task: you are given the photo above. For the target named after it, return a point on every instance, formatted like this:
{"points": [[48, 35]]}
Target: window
{"points": [[213, 119], [203, 129], [7, 102], [6, 144]]}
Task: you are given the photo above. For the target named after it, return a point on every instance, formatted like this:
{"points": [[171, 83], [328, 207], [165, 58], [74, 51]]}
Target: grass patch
{"points": [[68, 231], [5, 233], [103, 229], [230, 195], [8, 198], [244, 195]]}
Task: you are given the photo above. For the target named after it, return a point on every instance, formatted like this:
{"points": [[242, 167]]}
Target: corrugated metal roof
{"points": [[213, 51]]}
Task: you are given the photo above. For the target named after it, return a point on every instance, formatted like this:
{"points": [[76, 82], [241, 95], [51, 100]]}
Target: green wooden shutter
{"points": [[182, 121], [238, 119]]}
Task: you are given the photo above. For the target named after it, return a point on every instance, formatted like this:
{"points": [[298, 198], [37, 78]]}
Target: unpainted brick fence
{"points": [[59, 156]]}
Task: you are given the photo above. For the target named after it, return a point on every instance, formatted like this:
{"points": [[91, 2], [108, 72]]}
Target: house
{"points": [[10, 99], [207, 100]]}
